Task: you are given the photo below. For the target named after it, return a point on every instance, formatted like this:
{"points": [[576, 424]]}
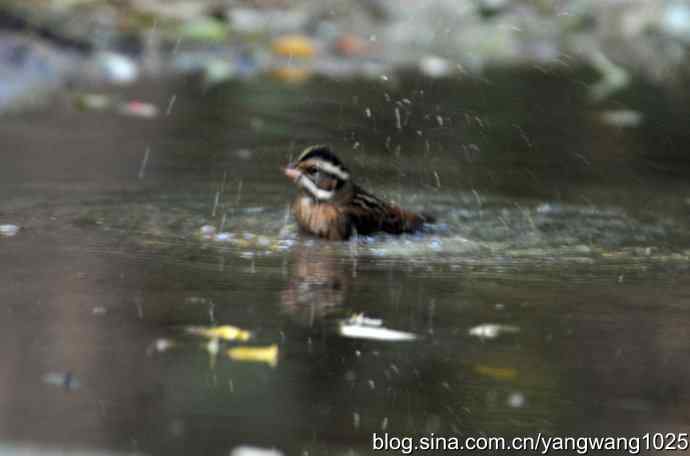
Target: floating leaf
{"points": [[225, 332], [268, 355]]}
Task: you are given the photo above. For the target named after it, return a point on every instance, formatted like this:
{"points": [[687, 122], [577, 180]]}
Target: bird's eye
{"points": [[311, 170]]}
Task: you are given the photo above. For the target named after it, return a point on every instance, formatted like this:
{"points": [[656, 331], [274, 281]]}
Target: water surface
{"points": [[567, 230]]}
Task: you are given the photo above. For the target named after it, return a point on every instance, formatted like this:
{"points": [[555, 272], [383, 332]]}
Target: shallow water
{"points": [[568, 234]]}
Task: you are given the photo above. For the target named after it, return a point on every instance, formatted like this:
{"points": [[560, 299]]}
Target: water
{"points": [[566, 235]]}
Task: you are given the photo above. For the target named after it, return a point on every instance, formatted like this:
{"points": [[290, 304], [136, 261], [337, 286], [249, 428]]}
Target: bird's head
{"points": [[319, 173]]}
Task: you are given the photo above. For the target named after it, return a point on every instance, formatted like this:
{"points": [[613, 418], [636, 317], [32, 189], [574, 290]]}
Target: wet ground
{"points": [[552, 295]]}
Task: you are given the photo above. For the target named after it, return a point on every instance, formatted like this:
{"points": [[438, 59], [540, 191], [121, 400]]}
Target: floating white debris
{"points": [[622, 118], [207, 231], [492, 330], [516, 400], [285, 244], [161, 345], [361, 319], [65, 380], [223, 237], [547, 208], [245, 450], [8, 230], [361, 327]]}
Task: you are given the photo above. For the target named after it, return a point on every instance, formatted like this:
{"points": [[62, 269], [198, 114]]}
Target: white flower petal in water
{"points": [[246, 450], [355, 331], [516, 400], [363, 320], [492, 330]]}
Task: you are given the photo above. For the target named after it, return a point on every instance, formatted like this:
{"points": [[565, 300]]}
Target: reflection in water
{"points": [[318, 285]]}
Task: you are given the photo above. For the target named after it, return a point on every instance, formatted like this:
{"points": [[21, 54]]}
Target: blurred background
{"points": [[49, 43], [157, 298]]}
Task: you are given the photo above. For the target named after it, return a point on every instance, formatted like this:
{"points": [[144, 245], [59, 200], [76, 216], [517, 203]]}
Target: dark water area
{"points": [[552, 295]]}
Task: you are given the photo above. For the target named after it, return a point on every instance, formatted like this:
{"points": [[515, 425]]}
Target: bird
{"points": [[330, 205]]}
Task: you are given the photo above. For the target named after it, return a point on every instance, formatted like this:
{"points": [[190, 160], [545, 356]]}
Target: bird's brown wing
{"points": [[369, 214]]}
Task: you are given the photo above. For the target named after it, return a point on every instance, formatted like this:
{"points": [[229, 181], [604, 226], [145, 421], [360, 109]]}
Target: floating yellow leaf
{"points": [[498, 373], [225, 332], [268, 355]]}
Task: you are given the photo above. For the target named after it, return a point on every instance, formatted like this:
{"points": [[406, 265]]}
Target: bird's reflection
{"points": [[318, 286]]}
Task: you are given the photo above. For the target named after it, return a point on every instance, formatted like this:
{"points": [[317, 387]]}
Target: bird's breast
{"points": [[321, 219]]}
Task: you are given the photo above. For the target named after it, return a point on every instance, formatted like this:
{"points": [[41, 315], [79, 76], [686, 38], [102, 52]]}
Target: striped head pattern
{"points": [[319, 172]]}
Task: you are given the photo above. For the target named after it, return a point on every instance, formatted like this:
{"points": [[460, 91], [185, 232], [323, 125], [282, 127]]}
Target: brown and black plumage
{"points": [[331, 206]]}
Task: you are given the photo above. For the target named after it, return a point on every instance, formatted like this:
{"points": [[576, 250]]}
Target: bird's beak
{"points": [[292, 173]]}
